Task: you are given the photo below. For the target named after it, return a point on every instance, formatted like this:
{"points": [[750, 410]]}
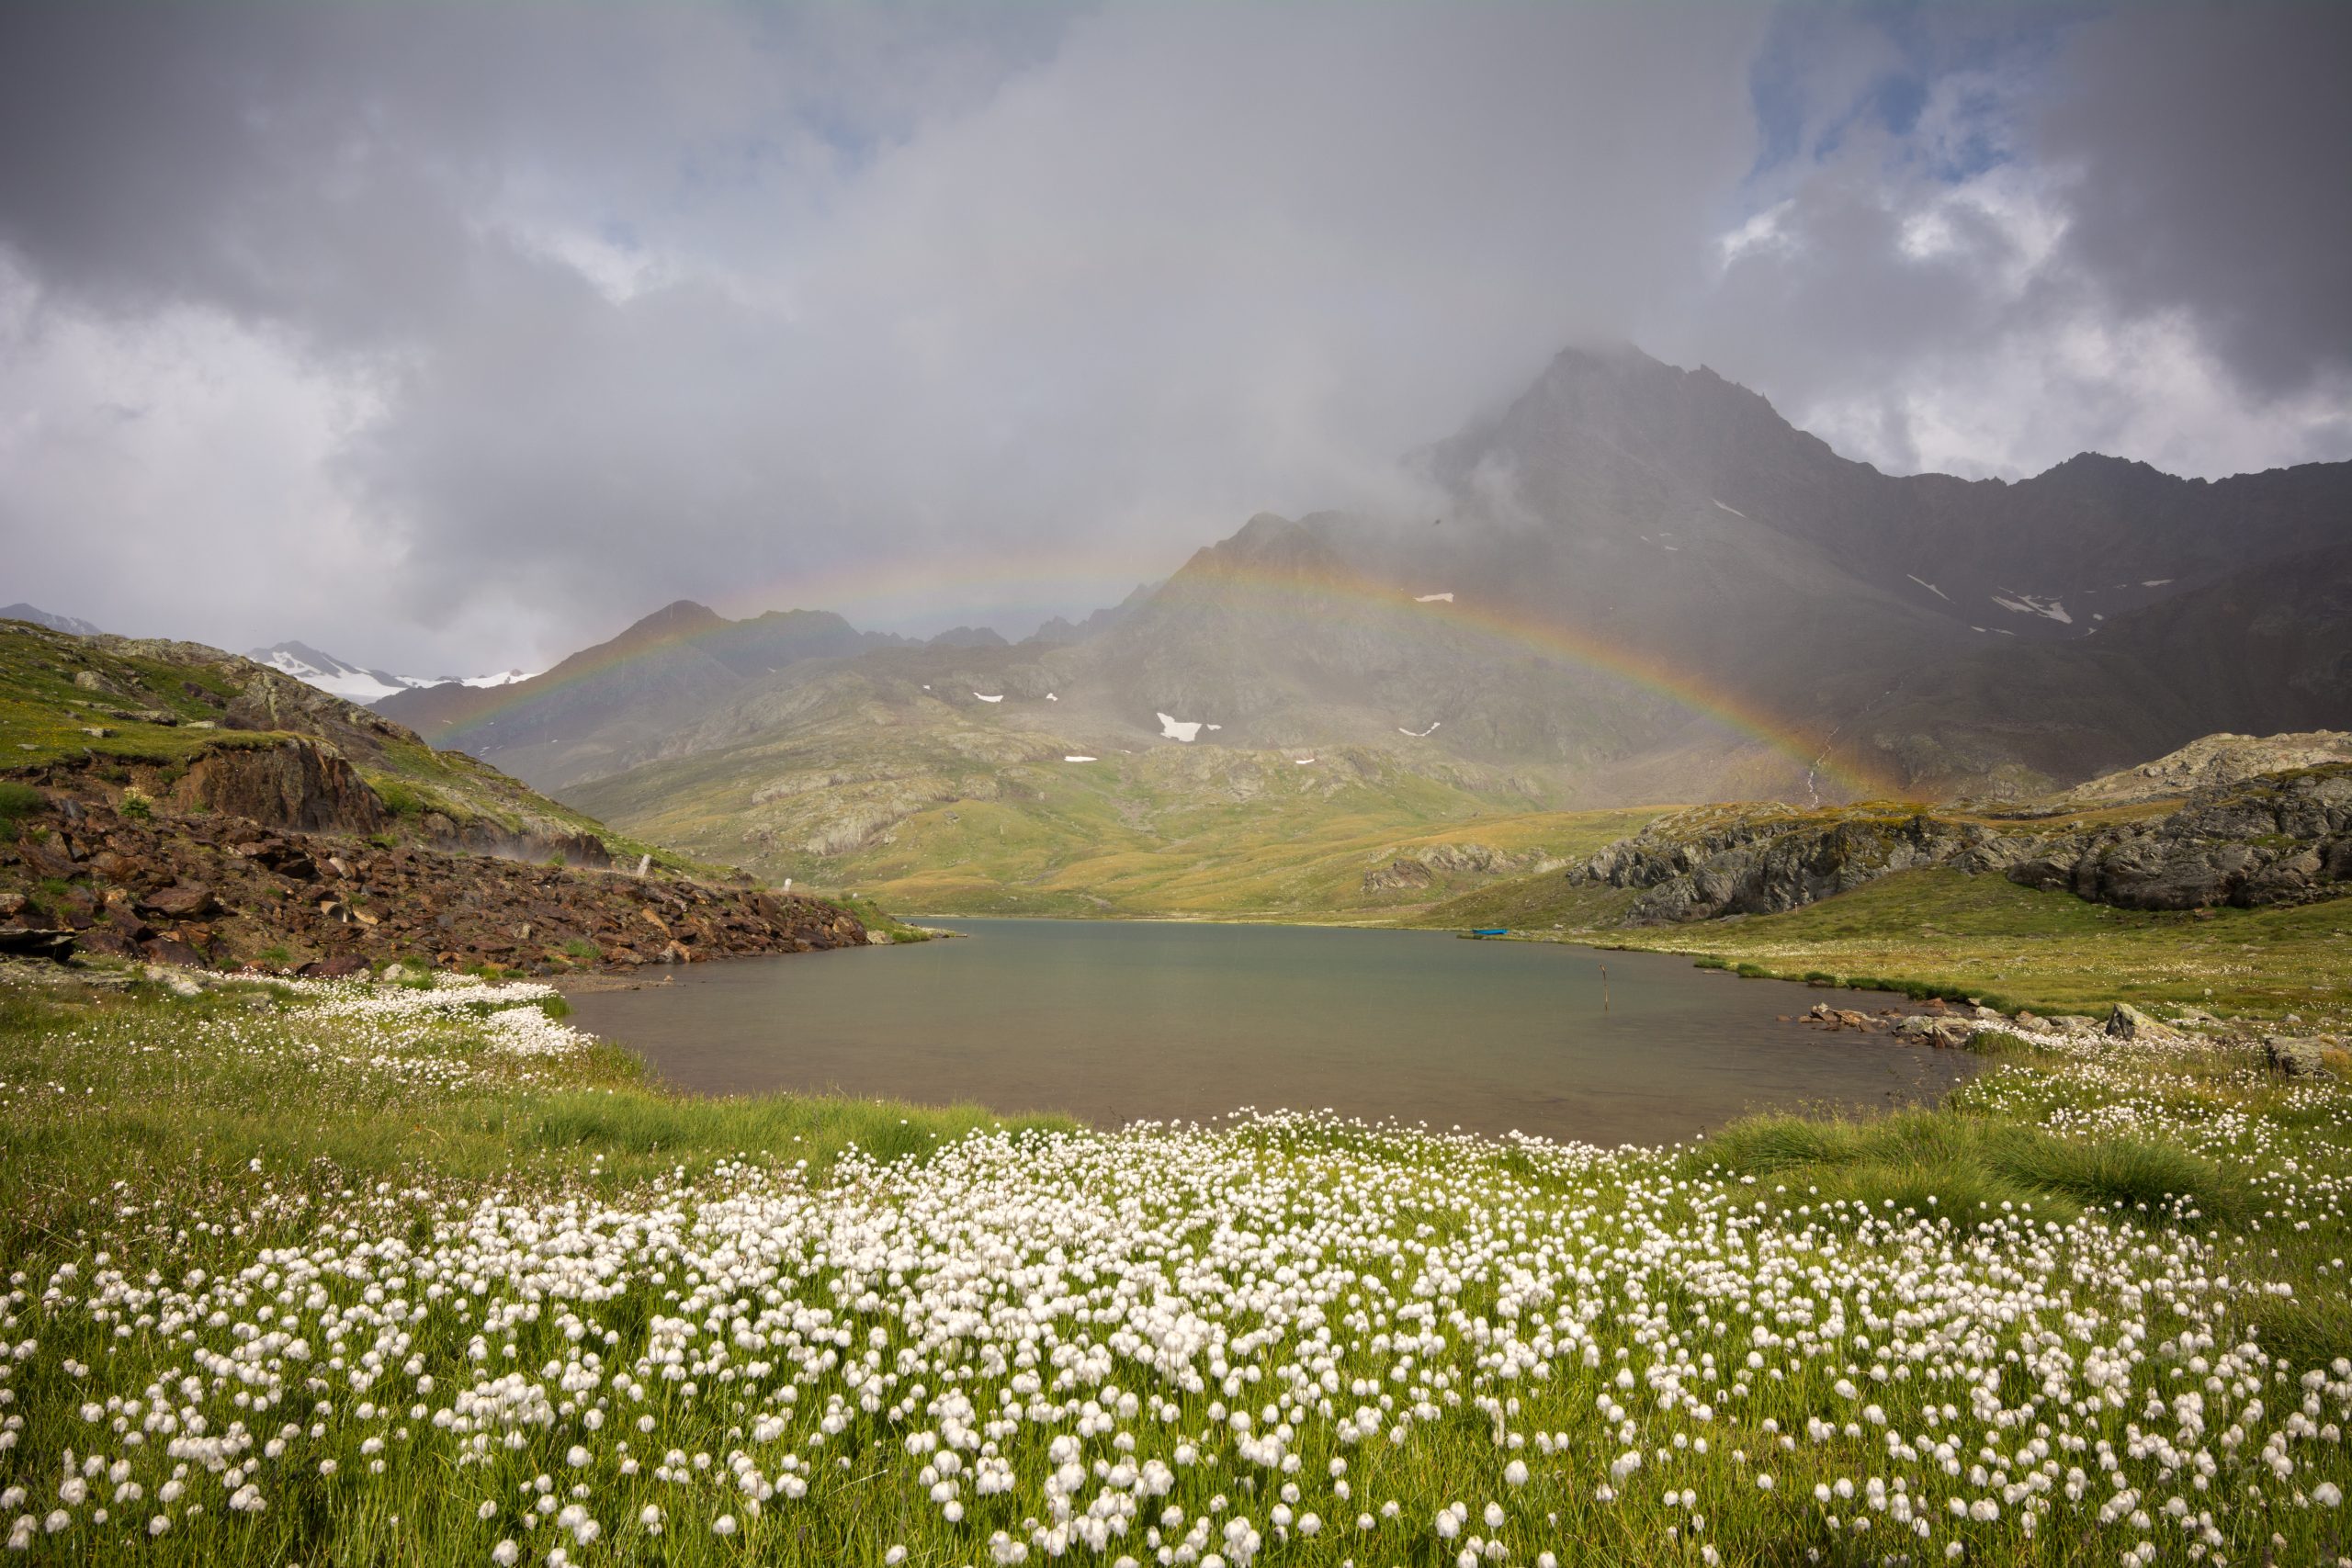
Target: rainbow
{"points": [[1289, 593], [1336, 594]]}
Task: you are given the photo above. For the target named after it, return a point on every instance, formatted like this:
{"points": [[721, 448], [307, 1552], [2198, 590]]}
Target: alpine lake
{"points": [[1117, 1022]]}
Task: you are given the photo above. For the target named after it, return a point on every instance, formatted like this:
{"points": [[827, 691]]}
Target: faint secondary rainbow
{"points": [[1278, 592]]}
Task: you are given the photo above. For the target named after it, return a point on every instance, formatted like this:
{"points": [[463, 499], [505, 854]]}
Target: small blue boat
{"points": [[1493, 931]]}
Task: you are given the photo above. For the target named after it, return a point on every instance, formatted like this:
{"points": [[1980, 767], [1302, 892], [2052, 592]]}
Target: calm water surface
{"points": [[1114, 1023]]}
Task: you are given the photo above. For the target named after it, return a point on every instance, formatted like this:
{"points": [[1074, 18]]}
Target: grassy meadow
{"points": [[415, 1273], [1985, 936]]}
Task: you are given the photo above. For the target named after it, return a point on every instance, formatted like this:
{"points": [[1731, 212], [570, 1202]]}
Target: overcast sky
{"points": [[450, 338]]}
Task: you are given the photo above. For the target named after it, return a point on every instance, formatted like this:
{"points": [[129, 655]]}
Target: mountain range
{"points": [[328, 674], [300, 660], [1638, 583], [73, 625]]}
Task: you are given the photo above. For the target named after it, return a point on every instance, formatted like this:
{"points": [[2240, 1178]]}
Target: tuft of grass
{"points": [[400, 798], [18, 801], [2310, 1328], [1967, 1167], [2130, 1174]]}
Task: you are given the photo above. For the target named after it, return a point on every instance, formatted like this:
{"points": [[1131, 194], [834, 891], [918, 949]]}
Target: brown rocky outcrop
{"points": [[226, 889], [298, 783], [1397, 876], [1427, 864]]}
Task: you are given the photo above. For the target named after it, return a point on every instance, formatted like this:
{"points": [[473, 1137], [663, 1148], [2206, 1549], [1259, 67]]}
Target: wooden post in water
{"points": [[1605, 987]]}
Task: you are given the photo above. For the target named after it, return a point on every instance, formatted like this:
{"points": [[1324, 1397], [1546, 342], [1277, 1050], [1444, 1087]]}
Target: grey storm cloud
{"points": [[2211, 141], [446, 337]]}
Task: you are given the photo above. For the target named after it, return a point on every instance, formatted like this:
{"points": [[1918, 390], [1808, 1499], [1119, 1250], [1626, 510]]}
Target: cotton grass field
{"points": [[407, 1274]]}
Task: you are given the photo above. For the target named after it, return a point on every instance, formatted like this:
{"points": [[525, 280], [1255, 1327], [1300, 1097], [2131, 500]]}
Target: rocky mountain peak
{"points": [[2091, 470], [680, 618], [1268, 544], [969, 636], [1607, 429]]}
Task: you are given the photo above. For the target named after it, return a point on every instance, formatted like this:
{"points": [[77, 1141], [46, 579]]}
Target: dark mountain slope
{"points": [[1611, 433], [1555, 647], [643, 679], [2265, 650]]}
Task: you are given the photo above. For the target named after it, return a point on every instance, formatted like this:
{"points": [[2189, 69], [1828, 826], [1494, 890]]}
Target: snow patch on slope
{"points": [[1930, 587], [1173, 729], [328, 674], [2034, 604]]}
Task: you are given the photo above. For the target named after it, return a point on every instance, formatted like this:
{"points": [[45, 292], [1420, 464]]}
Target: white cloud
{"points": [[2005, 358]]}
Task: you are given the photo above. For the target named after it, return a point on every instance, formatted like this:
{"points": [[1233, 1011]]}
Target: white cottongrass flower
{"points": [[1074, 1330]]}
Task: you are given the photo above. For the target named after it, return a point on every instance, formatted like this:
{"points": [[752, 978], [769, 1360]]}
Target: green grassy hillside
{"points": [[977, 819], [142, 713]]}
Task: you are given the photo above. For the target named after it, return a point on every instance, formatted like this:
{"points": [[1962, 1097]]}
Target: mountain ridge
{"points": [[73, 625], [1645, 585], [329, 673]]}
